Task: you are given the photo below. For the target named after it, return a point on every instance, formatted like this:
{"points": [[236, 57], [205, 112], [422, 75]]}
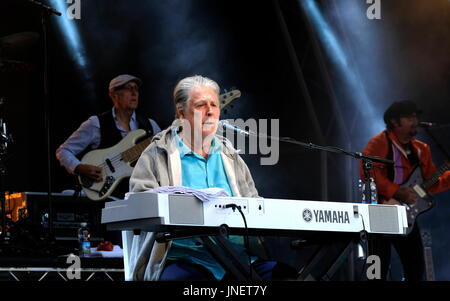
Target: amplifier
{"points": [[69, 211]]}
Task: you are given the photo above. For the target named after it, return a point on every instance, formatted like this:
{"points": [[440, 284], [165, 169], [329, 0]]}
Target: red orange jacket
{"points": [[386, 145]]}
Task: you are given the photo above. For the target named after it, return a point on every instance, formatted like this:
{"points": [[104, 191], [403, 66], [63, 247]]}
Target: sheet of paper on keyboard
{"points": [[202, 194]]}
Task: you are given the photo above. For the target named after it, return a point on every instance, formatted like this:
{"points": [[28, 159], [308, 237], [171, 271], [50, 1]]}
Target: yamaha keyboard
{"points": [[162, 212]]}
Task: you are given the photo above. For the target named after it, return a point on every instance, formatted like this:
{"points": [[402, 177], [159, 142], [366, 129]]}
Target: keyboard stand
{"points": [[220, 248], [328, 259]]}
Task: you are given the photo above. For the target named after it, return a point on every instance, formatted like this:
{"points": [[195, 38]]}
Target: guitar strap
{"points": [[396, 172], [144, 124]]}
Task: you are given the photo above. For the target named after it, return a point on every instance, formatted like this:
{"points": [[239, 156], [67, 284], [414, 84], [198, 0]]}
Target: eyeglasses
{"points": [[129, 88]]}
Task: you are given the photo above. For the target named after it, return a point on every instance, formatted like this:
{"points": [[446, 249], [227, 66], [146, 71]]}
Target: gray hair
{"points": [[182, 91]]}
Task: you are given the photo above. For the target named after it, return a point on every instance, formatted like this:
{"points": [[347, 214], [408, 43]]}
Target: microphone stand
{"points": [[367, 160], [46, 12], [3, 236], [5, 138]]}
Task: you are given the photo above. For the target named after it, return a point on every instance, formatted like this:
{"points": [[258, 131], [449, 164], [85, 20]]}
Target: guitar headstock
{"points": [[226, 98]]}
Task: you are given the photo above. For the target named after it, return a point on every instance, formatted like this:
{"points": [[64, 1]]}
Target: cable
{"points": [[246, 236], [365, 245], [362, 220]]}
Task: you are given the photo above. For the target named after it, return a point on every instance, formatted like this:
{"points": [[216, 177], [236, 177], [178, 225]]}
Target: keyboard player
{"points": [[190, 153]]}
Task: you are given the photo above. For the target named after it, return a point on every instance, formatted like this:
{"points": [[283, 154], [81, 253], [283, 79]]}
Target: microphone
{"points": [[424, 124], [48, 9], [226, 124]]}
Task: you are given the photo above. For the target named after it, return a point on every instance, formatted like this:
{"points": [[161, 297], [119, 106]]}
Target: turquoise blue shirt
{"points": [[199, 173]]}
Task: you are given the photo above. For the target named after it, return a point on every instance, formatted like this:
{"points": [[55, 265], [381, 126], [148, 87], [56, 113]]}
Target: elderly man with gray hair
{"points": [[190, 153]]}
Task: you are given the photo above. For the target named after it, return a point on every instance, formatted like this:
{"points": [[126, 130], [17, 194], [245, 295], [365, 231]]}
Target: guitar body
{"points": [[114, 167], [424, 203]]}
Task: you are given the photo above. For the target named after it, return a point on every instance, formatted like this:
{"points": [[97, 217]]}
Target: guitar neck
{"points": [[133, 153], [428, 183]]}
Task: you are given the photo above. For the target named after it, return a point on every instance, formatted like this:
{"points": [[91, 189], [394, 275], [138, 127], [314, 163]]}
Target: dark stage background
{"points": [[275, 52]]}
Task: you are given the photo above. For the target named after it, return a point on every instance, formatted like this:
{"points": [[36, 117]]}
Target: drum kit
{"points": [[13, 45]]}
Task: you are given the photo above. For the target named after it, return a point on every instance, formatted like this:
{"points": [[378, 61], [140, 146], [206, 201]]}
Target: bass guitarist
{"points": [[106, 130], [397, 143]]}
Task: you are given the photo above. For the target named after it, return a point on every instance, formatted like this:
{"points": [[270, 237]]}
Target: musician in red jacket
{"points": [[397, 143]]}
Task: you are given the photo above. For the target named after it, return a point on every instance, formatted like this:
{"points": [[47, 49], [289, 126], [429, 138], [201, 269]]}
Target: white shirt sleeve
{"points": [[87, 135]]}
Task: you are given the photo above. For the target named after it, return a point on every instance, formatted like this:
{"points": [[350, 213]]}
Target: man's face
{"points": [[406, 126], [126, 98], [202, 111]]}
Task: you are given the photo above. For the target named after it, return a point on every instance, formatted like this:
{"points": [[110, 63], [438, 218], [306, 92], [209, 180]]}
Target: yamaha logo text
{"points": [[326, 216]]}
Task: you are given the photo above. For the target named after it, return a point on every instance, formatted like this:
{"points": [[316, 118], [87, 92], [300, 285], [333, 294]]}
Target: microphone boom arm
{"points": [[332, 149]]}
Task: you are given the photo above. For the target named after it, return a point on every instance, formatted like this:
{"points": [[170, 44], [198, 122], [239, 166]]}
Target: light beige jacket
{"points": [[160, 165]]}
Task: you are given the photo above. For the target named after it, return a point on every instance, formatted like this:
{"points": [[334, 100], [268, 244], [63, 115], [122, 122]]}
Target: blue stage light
{"points": [[71, 35], [340, 59]]}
